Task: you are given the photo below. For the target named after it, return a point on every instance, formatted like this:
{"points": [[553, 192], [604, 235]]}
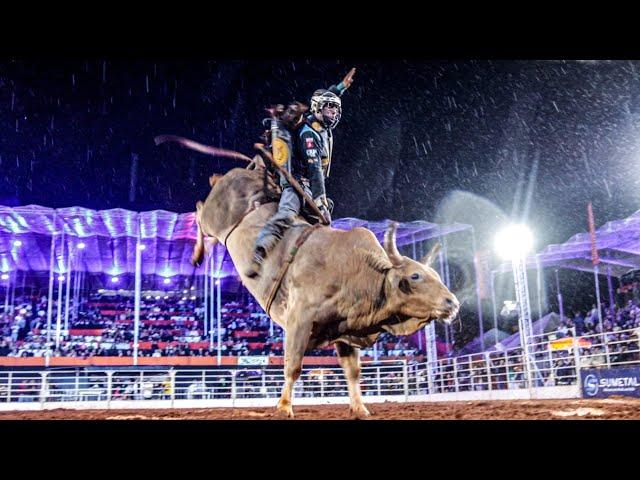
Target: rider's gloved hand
{"points": [[323, 206]]}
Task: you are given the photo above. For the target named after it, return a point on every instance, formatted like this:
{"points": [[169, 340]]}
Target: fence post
{"points": [[172, 377], [405, 376], [9, 386], [455, 374], [550, 373], [109, 388], [43, 385], [577, 361], [606, 351], [487, 362], [233, 390]]}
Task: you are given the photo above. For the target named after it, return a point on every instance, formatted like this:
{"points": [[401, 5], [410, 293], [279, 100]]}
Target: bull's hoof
{"points": [[359, 413], [284, 410]]}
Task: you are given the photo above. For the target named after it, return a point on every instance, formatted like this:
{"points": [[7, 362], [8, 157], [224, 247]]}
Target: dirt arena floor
{"points": [[605, 409]]}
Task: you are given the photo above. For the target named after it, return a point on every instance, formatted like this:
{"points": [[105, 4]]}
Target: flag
{"points": [[595, 260]]}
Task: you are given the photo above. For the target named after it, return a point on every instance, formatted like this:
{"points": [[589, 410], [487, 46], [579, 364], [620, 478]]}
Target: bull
{"points": [[342, 288]]}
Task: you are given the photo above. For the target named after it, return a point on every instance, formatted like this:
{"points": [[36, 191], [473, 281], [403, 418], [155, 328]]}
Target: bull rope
{"points": [[283, 270]]}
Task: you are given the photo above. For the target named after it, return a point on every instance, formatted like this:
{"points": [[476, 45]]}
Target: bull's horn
{"points": [[390, 245], [431, 256]]}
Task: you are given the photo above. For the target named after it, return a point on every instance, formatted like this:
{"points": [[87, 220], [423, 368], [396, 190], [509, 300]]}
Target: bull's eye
{"points": [[415, 276]]}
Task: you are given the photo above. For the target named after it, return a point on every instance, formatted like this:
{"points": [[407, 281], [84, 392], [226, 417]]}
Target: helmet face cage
{"points": [[318, 102]]}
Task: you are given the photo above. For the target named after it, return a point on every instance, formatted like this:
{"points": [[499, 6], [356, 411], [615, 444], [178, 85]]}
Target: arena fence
{"points": [[552, 371]]}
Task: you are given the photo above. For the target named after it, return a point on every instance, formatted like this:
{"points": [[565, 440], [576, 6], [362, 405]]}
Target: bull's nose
{"points": [[451, 303]]}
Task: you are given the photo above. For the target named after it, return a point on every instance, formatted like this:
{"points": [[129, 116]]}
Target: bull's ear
{"points": [[428, 259]]}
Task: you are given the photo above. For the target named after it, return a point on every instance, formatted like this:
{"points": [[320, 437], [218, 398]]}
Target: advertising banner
{"points": [[605, 382]]}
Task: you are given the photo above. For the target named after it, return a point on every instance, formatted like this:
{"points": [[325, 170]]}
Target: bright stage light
{"points": [[17, 243], [166, 281], [218, 282], [141, 247], [4, 276], [81, 246], [514, 242], [61, 278], [115, 279]]}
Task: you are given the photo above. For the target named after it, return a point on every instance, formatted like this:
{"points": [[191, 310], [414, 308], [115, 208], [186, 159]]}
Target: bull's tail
{"points": [[199, 147]]}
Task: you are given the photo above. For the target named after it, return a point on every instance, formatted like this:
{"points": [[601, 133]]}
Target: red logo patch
{"points": [[310, 143]]}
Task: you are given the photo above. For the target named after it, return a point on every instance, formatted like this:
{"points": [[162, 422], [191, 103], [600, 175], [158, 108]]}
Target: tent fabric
{"points": [[110, 237], [618, 244]]}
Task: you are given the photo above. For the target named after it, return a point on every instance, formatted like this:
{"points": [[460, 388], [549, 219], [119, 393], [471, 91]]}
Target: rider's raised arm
{"points": [[344, 84]]}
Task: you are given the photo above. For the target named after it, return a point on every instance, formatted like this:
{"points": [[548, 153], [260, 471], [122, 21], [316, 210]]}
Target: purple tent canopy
{"points": [[110, 238], [618, 245]]}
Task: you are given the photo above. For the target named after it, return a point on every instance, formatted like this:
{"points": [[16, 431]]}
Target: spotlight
{"points": [[4, 276], [81, 246], [158, 297], [141, 247], [166, 281], [218, 282], [193, 298], [17, 243], [115, 279], [61, 278], [514, 242]]}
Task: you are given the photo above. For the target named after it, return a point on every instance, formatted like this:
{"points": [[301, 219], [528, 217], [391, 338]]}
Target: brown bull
{"points": [[343, 287]]}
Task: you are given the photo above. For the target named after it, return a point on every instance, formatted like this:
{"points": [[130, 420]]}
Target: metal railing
{"points": [[552, 362], [388, 378]]}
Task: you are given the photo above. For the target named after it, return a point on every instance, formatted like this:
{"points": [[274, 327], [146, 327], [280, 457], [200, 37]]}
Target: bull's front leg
{"points": [[295, 344], [349, 358]]}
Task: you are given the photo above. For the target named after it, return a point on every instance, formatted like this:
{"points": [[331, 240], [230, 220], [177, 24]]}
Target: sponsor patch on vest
{"points": [[280, 152]]}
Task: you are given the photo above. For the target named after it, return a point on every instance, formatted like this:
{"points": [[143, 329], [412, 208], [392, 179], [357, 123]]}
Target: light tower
{"points": [[513, 243]]}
